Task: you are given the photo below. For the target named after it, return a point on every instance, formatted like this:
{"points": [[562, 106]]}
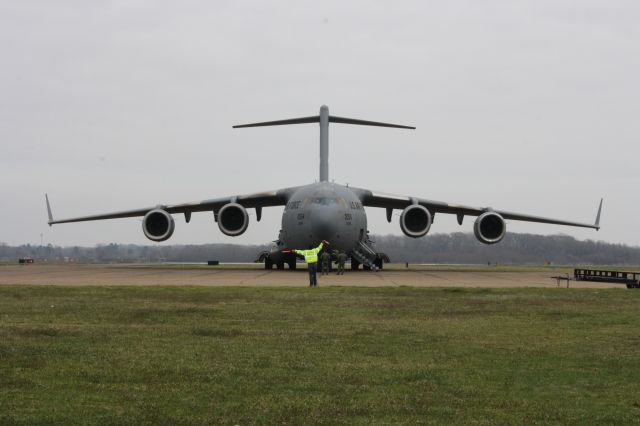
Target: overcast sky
{"points": [[526, 106]]}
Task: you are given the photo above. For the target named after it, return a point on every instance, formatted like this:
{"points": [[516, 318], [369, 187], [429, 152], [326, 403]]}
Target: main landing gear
{"points": [[289, 260]]}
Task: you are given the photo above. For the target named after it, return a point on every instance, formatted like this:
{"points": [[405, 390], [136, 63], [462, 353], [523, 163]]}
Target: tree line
{"points": [[437, 248], [514, 249]]}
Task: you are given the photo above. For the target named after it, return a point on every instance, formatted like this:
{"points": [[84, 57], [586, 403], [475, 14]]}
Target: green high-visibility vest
{"points": [[311, 255]]}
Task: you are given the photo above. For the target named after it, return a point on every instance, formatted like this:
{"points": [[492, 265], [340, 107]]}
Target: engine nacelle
{"points": [[489, 228], [233, 219], [415, 221], [158, 225]]}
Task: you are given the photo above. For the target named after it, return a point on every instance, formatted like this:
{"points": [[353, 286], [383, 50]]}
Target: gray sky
{"points": [[527, 106]]}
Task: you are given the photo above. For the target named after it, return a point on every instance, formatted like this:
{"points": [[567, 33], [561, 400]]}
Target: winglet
{"points": [[598, 216], [49, 210]]}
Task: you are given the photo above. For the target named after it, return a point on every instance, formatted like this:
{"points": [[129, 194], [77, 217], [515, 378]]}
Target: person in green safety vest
{"points": [[311, 258]]}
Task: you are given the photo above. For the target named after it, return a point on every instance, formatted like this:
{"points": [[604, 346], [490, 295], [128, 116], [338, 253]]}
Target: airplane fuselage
{"points": [[323, 211]]}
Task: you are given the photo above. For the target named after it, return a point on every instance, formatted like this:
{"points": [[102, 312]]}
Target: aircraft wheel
{"points": [[379, 263]]}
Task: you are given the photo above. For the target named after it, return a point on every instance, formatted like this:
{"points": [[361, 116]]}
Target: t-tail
{"points": [[324, 119]]}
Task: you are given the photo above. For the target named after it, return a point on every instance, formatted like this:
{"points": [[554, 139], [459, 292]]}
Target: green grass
{"points": [[183, 355]]}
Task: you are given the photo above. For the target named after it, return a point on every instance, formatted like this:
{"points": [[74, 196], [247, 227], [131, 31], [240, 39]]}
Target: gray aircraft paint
{"points": [[324, 210], [324, 143]]}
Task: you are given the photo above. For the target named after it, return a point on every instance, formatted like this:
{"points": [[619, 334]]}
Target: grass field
{"points": [[186, 355]]}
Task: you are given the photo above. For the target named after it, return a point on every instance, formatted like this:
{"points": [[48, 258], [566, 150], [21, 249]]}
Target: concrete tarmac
{"points": [[145, 275]]}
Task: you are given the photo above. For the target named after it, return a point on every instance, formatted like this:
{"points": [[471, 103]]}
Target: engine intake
{"points": [[158, 225], [415, 221], [233, 219], [489, 228]]}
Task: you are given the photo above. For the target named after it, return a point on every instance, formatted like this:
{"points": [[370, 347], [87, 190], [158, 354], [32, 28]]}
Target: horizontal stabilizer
{"points": [[301, 120], [316, 119], [343, 120], [323, 119]]}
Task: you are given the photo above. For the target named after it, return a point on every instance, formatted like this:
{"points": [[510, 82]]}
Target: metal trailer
{"points": [[630, 279]]}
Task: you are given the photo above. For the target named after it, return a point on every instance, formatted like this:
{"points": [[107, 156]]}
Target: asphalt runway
{"points": [[144, 275]]}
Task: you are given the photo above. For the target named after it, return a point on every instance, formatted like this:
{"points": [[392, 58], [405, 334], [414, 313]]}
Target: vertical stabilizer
{"points": [[324, 143]]}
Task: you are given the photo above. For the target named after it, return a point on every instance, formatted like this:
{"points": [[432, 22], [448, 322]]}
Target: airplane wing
{"points": [[391, 201], [257, 200]]}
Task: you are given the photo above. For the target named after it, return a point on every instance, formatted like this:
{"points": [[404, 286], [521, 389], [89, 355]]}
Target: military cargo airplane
{"points": [[324, 211]]}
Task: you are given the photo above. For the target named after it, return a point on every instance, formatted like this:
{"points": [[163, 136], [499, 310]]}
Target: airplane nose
{"points": [[324, 225]]}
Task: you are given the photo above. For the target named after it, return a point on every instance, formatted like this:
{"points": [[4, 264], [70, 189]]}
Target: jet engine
{"points": [[233, 219], [415, 221], [158, 225], [489, 228]]}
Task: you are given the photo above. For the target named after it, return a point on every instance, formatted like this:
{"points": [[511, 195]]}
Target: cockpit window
{"points": [[325, 201]]}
